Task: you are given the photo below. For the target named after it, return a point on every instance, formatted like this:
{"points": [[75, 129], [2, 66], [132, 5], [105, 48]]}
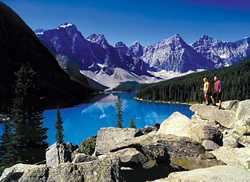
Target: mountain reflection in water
{"points": [[84, 120]]}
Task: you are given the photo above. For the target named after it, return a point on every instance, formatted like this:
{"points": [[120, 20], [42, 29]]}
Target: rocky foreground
{"points": [[214, 145]]}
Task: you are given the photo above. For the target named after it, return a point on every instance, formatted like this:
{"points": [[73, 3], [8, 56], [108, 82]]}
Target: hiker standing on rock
{"points": [[205, 89], [217, 91]]}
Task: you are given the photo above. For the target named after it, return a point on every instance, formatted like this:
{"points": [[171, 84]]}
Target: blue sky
{"points": [[147, 21]]}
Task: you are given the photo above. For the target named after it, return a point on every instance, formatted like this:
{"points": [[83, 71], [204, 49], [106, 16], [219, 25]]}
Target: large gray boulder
{"points": [[233, 156], [57, 154], [243, 125], [107, 169], [225, 117], [230, 141], [243, 117], [173, 151], [197, 129], [16, 170], [201, 132], [243, 109], [107, 138], [209, 145], [176, 124], [211, 174], [148, 129], [131, 156], [230, 105]]}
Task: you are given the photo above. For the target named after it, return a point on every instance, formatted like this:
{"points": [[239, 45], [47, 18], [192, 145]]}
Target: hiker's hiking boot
{"points": [[213, 104]]}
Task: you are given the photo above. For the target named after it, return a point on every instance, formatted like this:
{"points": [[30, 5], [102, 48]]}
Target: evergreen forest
{"points": [[129, 86], [235, 81]]}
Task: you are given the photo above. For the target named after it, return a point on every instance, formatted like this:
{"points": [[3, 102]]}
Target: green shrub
{"points": [[1, 170], [88, 146]]}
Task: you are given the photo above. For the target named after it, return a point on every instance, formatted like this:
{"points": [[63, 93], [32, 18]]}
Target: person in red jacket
{"points": [[217, 91]]}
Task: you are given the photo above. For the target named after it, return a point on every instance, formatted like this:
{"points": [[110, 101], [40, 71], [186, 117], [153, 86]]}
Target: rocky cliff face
{"points": [[175, 55], [67, 40], [93, 53], [171, 54], [220, 52], [121, 47]]}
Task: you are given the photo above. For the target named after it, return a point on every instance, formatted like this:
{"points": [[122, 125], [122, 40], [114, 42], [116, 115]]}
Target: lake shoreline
{"points": [[164, 102]]}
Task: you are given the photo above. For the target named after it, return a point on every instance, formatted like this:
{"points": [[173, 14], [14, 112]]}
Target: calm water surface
{"points": [[84, 120]]}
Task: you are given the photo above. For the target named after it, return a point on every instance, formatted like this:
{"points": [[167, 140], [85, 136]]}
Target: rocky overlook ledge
{"points": [[214, 145]]}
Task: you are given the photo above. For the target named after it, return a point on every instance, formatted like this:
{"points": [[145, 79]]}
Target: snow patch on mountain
{"points": [[100, 65], [65, 25]]}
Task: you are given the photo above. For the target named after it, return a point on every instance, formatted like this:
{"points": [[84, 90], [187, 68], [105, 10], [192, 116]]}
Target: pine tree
{"points": [[131, 123], [8, 152], [28, 131], [59, 128], [118, 108]]}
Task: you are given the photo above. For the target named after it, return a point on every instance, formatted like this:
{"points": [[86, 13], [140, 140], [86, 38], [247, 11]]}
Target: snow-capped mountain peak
{"points": [[174, 40], [136, 50], [204, 36], [136, 43], [65, 25], [176, 37]]}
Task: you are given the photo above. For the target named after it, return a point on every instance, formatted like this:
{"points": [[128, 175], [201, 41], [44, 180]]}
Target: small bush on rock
{"points": [[88, 146]]}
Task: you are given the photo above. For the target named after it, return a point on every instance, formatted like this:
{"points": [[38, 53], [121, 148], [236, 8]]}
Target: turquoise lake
{"points": [[84, 120]]}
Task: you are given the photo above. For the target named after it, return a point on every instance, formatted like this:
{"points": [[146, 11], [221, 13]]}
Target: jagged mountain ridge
{"points": [[221, 52], [171, 54], [93, 53]]}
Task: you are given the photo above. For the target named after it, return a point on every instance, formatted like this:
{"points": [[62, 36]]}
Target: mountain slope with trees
{"points": [[235, 85]]}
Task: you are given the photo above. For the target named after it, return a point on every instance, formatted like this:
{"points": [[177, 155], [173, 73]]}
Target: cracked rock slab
{"points": [[211, 174]]}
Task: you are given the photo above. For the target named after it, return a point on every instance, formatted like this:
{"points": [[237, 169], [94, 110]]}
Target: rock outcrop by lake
{"points": [[105, 169], [216, 173], [214, 145]]}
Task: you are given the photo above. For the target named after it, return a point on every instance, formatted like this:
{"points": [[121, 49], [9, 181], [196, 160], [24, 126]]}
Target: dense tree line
{"points": [[129, 86], [235, 85]]}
